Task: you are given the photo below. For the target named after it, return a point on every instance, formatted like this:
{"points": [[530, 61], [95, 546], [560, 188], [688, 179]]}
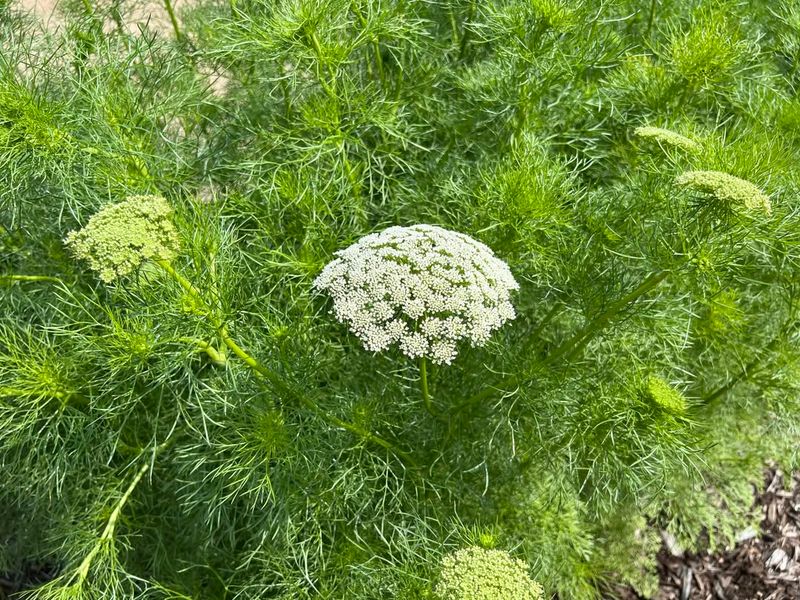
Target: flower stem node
{"points": [[480, 574], [667, 138], [120, 237], [422, 287], [732, 192]]}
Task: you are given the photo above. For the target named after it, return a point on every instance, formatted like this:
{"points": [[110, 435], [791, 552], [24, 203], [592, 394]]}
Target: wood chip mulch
{"points": [[762, 566]]}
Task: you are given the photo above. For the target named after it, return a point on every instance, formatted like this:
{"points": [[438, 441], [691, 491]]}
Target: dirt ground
{"points": [[149, 10], [136, 12]]}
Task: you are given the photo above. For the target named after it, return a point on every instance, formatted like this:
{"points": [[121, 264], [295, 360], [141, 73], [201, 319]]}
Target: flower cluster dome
{"points": [[422, 287], [120, 237], [479, 574], [732, 192], [666, 136]]}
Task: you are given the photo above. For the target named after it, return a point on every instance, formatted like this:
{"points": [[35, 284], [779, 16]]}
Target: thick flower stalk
{"points": [[120, 237], [667, 138], [479, 574], [422, 287], [731, 192]]}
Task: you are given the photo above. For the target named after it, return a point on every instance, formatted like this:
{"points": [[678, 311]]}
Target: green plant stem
{"points": [[328, 87], [217, 356], [454, 33], [536, 334], [579, 341], [572, 345], [462, 49], [63, 396], [712, 399], [23, 278], [652, 17], [289, 390], [173, 19], [521, 116], [273, 377], [423, 382], [82, 572], [108, 532], [374, 43], [281, 385]]}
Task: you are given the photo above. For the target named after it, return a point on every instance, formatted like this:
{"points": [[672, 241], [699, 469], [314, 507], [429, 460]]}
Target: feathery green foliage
{"points": [[181, 416]]}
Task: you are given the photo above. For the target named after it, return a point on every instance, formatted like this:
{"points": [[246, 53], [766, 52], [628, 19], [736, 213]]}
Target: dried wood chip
{"points": [[764, 565], [778, 560]]}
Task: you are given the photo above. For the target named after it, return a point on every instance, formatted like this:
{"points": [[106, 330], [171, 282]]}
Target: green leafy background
{"points": [[284, 130]]}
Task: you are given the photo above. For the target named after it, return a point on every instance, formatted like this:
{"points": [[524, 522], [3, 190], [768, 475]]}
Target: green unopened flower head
{"points": [[667, 138], [480, 574], [732, 192], [664, 395], [120, 237]]}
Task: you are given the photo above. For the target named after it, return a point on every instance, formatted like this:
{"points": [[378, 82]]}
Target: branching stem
{"points": [[536, 334], [462, 50], [651, 19], [573, 345], [82, 572], [217, 356], [278, 382], [375, 43], [579, 341], [749, 369], [108, 532]]}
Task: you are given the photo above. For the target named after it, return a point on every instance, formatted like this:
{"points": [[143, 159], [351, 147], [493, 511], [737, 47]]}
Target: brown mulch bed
{"points": [[764, 567]]}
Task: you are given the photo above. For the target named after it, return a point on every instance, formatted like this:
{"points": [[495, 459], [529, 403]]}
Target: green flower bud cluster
{"points": [[664, 395], [731, 191], [667, 137], [120, 237], [479, 574]]}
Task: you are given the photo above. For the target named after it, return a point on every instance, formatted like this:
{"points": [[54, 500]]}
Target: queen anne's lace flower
{"points": [[120, 237], [665, 136], [423, 288], [479, 574], [734, 193]]}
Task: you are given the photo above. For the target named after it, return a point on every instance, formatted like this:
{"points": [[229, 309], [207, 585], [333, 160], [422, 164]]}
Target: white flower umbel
{"points": [[422, 287]]}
